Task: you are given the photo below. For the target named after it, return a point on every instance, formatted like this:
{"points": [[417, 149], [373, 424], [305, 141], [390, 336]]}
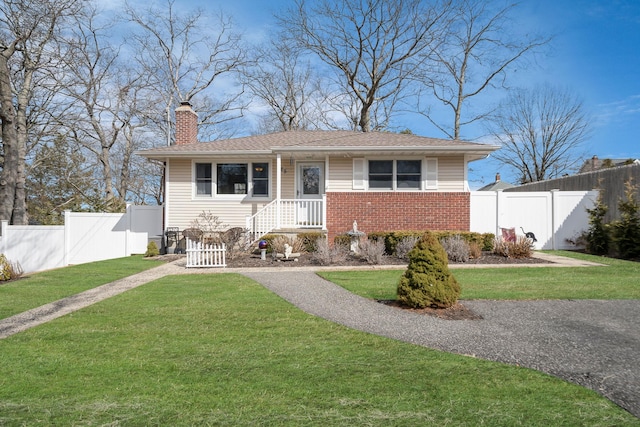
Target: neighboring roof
{"points": [[495, 186], [323, 142], [595, 163]]}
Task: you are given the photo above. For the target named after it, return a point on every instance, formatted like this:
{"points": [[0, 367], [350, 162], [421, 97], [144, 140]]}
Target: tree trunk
{"points": [[8, 177]]}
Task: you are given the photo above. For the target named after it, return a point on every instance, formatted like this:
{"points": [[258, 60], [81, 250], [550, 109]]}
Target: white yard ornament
{"points": [[287, 250]]}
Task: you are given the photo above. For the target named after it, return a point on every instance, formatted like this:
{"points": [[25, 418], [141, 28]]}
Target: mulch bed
{"points": [[245, 260], [456, 312]]}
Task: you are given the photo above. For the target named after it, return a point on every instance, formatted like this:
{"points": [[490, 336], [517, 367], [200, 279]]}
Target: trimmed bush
{"points": [[152, 250], [343, 240], [405, 245], [310, 240], [393, 238], [427, 282], [371, 250], [327, 255], [456, 247]]}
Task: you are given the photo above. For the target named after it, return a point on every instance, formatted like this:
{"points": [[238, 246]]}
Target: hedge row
{"points": [[391, 238]]}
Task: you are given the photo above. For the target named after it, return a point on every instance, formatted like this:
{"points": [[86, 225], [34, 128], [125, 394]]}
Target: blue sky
{"points": [[595, 53]]}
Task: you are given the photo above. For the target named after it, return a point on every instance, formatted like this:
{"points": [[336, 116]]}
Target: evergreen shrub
{"points": [[427, 282], [152, 250], [598, 234], [626, 230]]}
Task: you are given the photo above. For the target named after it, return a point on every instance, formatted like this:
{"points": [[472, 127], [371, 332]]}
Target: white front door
{"points": [[310, 181], [309, 189]]}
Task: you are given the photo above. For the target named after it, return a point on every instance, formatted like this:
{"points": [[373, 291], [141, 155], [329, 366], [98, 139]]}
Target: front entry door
{"points": [[310, 188], [310, 180]]}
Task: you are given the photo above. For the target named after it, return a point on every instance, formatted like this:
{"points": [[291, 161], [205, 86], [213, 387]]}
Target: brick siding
{"points": [[388, 211]]}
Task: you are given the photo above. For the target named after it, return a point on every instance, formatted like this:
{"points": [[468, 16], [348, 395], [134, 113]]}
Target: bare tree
{"points": [[480, 47], [540, 131], [280, 79], [372, 45], [189, 55], [27, 28], [98, 88]]}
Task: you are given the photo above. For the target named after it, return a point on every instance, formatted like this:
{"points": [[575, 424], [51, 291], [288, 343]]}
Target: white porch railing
{"points": [[298, 213], [205, 255]]}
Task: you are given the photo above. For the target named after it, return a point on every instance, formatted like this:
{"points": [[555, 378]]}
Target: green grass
{"points": [[617, 280], [222, 350], [37, 289]]}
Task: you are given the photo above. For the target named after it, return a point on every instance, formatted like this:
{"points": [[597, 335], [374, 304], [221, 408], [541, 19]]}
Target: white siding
{"points": [[183, 207], [340, 174], [450, 174]]}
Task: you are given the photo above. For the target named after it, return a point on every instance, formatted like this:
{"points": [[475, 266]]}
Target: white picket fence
{"points": [[205, 255]]}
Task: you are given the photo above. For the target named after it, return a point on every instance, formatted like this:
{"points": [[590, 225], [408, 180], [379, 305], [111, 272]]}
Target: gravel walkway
{"points": [[589, 342]]}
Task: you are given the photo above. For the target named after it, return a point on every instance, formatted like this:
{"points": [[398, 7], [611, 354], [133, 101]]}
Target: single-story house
{"points": [[317, 180]]}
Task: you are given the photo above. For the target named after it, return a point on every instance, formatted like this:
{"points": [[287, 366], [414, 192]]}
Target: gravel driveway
{"points": [[589, 342]]}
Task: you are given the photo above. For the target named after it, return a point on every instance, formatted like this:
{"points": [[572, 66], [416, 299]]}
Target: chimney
{"points": [[186, 124], [498, 177]]}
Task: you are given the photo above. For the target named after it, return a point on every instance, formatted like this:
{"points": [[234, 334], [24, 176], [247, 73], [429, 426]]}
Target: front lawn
{"points": [[617, 280], [38, 289], [222, 350]]}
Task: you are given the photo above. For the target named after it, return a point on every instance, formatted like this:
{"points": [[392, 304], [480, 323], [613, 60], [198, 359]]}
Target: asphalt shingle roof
{"points": [[317, 141]]}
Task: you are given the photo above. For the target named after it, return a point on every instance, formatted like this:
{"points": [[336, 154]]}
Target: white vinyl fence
{"points": [[85, 237], [556, 218], [205, 255]]}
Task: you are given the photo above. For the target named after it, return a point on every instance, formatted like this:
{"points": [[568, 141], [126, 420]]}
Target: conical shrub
{"points": [[427, 282]]}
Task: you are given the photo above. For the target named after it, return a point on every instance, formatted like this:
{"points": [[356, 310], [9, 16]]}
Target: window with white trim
{"points": [[231, 178], [239, 179], [260, 179], [204, 179], [395, 175]]}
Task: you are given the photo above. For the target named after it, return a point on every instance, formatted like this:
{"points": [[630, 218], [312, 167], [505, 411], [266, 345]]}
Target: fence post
{"points": [[498, 211], [67, 237], [555, 194], [4, 226], [127, 231]]}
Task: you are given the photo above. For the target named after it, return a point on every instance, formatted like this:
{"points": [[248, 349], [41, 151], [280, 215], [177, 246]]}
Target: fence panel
{"points": [[34, 247], [205, 255], [95, 237], [85, 237], [555, 218]]}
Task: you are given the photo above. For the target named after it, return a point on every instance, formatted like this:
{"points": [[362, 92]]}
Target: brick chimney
{"points": [[186, 124]]}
